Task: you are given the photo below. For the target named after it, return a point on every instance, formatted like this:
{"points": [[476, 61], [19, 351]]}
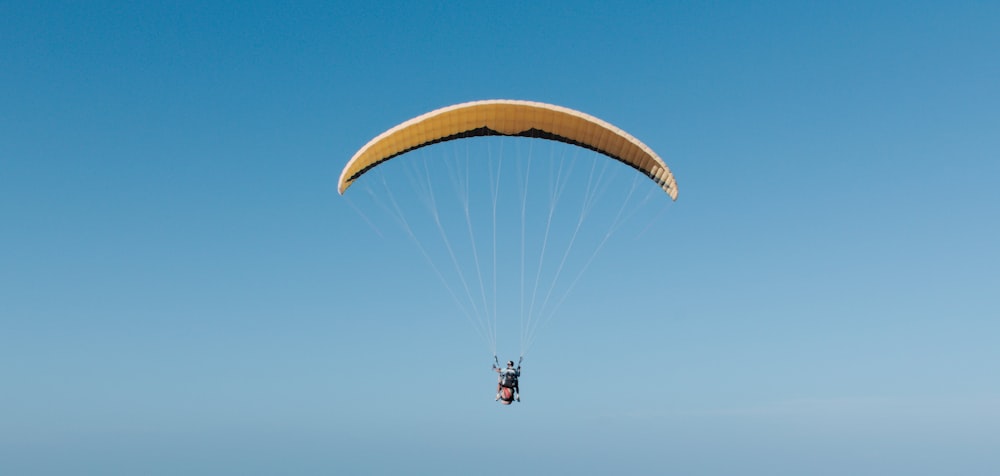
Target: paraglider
{"points": [[518, 119], [509, 118], [508, 389]]}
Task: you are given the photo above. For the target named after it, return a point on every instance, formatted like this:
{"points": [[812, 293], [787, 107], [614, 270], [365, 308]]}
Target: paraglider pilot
{"points": [[508, 378]]}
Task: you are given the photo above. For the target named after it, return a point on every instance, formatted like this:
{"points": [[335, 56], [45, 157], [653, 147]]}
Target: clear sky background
{"points": [[183, 291]]}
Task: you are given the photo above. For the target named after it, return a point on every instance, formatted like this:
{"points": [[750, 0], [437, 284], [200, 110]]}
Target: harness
{"points": [[508, 375], [508, 378]]}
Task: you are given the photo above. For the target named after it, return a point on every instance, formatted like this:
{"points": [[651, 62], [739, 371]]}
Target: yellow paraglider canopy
{"points": [[509, 118]]}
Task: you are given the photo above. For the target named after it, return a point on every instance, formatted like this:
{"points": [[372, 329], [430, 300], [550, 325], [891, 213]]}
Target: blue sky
{"points": [[182, 290]]}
